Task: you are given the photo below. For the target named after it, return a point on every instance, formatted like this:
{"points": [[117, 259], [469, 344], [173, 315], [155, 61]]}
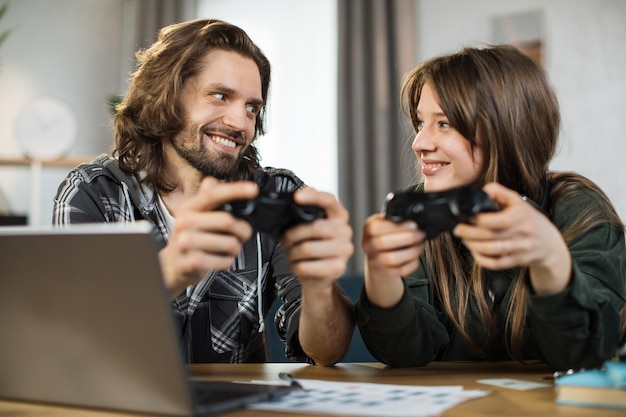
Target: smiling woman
{"points": [[498, 286]]}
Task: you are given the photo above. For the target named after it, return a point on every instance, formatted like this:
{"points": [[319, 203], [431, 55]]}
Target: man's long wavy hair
{"points": [[498, 99], [151, 111]]}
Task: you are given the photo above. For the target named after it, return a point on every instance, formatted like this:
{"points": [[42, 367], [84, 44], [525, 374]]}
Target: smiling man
{"points": [[184, 147]]}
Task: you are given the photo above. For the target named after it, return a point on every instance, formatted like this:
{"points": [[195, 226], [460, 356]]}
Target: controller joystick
{"points": [[273, 212], [436, 212]]}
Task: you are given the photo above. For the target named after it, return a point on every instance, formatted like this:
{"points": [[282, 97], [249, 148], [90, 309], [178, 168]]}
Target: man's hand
{"points": [[205, 238], [318, 253]]}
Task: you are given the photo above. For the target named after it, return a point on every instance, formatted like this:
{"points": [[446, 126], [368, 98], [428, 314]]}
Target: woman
{"points": [[543, 278]]}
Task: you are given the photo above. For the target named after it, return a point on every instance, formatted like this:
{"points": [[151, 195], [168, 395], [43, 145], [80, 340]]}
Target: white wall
{"points": [[73, 49], [68, 49], [585, 43], [299, 39]]}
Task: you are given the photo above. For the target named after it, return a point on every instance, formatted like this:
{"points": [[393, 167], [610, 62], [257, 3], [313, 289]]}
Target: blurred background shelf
{"points": [[36, 167], [69, 162]]}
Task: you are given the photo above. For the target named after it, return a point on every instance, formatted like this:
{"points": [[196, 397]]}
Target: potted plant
{"points": [[5, 33]]}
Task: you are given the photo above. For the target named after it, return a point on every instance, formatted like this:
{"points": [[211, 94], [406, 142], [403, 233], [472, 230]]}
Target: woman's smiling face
{"points": [[445, 156]]}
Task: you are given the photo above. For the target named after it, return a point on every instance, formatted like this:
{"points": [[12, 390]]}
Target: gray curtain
{"points": [[376, 48], [152, 15], [142, 20]]}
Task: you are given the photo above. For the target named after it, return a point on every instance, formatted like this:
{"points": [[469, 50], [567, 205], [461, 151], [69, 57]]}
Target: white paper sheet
{"points": [[365, 399]]}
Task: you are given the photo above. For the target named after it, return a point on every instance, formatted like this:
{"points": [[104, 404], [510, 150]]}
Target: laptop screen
{"points": [[87, 321]]}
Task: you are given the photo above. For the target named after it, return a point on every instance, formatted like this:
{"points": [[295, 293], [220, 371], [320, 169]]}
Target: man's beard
{"points": [[193, 149]]}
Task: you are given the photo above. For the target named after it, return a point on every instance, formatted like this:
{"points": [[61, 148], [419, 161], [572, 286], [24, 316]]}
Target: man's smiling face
{"points": [[220, 104]]}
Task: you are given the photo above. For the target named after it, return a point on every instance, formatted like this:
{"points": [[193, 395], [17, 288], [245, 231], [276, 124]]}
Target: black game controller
{"points": [[273, 212], [437, 212]]}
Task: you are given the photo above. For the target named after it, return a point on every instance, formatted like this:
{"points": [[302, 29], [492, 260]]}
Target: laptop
{"points": [[86, 321]]}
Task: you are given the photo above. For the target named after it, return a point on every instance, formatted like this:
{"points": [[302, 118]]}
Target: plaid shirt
{"points": [[222, 318]]}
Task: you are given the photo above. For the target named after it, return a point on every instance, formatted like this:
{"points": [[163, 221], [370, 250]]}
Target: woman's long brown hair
{"points": [[501, 100]]}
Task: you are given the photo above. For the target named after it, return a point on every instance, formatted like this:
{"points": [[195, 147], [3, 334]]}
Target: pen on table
{"points": [[284, 376]]}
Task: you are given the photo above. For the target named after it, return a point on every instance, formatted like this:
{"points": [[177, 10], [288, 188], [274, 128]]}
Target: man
{"points": [[184, 148]]}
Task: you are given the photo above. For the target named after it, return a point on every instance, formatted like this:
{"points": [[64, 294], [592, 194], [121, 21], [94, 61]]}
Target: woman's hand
{"points": [[392, 251], [518, 235]]}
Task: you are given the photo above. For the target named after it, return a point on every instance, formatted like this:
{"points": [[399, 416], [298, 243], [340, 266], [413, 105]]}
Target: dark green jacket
{"points": [[576, 328]]}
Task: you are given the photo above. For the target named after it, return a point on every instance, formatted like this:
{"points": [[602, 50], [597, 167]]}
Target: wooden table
{"points": [[501, 402]]}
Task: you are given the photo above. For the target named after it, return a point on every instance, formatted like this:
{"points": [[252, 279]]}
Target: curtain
{"points": [[142, 20], [152, 15], [376, 48]]}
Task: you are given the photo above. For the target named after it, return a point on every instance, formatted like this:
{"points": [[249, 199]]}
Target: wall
{"points": [[68, 49], [299, 39], [74, 49], [585, 43]]}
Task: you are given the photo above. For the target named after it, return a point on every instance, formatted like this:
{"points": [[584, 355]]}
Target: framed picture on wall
{"points": [[524, 30]]}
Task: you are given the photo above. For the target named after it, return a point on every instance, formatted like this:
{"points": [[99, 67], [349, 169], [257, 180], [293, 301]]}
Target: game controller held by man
{"points": [[273, 212]]}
